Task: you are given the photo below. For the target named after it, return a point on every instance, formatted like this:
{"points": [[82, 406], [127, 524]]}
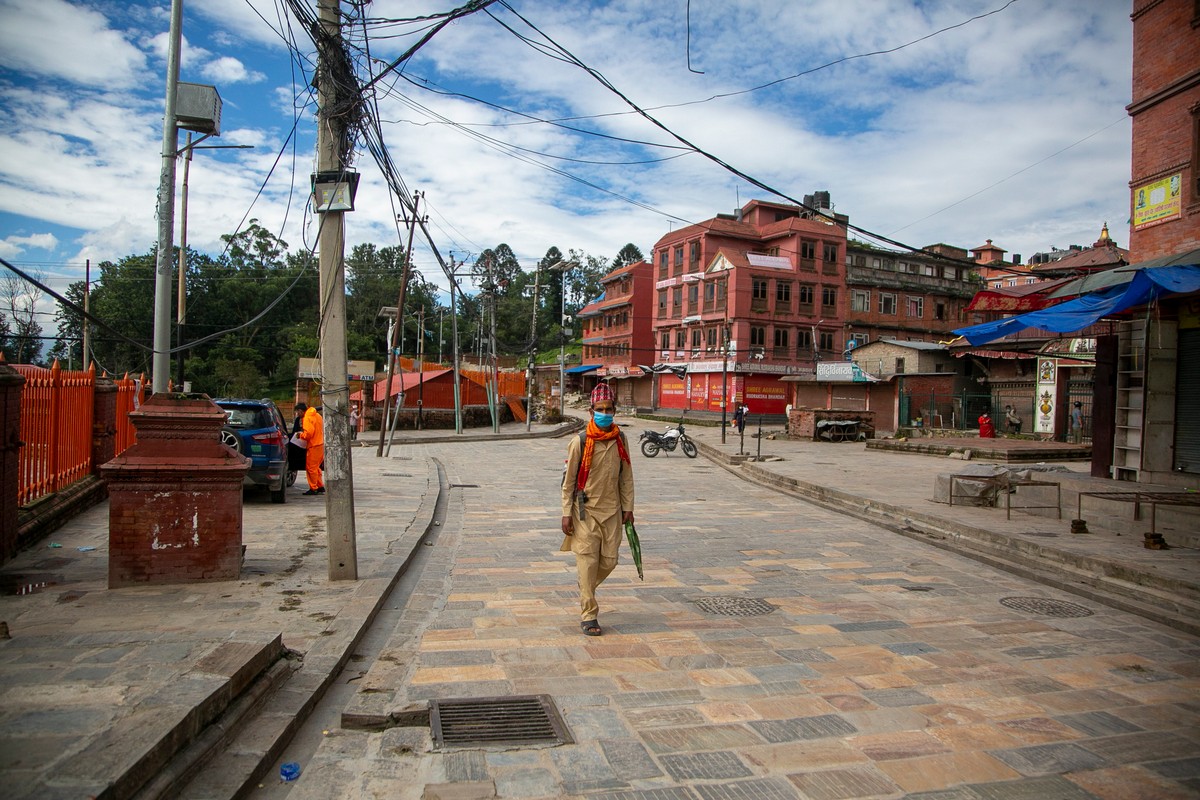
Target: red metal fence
{"points": [[57, 407]]}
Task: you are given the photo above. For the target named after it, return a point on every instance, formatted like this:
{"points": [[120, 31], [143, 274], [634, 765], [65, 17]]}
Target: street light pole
{"points": [[160, 366], [562, 348], [537, 274]]}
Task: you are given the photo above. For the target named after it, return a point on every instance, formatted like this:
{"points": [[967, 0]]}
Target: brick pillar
{"points": [[11, 382], [175, 497], [104, 423]]}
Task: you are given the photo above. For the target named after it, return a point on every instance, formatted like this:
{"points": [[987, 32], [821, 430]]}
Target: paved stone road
{"points": [[887, 668]]}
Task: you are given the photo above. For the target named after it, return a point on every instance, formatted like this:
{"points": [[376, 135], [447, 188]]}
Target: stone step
{"points": [[119, 763]]}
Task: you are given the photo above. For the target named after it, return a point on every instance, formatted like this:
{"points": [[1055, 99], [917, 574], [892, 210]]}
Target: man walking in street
{"points": [[597, 500], [313, 433]]}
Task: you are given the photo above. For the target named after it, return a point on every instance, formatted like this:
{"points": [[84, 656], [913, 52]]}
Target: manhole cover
{"points": [[734, 606], [1045, 607], [497, 720]]}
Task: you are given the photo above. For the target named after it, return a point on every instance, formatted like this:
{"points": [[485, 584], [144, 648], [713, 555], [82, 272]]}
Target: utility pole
{"points": [[335, 390], [87, 297], [537, 273], [160, 364], [397, 328], [458, 421], [181, 290], [492, 349], [420, 367]]}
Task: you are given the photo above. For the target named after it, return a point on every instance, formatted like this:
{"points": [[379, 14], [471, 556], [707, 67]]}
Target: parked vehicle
{"points": [[653, 442], [255, 428]]}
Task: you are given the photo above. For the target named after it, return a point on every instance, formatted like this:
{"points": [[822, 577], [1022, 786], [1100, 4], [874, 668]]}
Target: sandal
{"points": [[591, 627]]}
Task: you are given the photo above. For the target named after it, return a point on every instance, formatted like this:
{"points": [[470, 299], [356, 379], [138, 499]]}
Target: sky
{"points": [[1009, 126]]}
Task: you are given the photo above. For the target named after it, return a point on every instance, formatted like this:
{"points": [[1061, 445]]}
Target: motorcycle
{"points": [[653, 442]]}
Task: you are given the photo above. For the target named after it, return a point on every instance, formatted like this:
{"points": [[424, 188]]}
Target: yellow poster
{"points": [[1157, 202]]}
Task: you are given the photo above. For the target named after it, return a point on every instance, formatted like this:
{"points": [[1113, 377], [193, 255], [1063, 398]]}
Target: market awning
{"points": [[582, 368], [1075, 315], [1122, 276]]}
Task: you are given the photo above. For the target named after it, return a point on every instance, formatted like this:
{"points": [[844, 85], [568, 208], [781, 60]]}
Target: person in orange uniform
{"points": [[313, 434], [597, 499]]}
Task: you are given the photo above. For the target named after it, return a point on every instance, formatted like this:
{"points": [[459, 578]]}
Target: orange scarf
{"points": [[597, 434]]}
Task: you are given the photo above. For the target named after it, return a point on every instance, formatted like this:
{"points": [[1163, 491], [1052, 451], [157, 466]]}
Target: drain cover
{"points": [[734, 606], [497, 720], [1045, 607]]}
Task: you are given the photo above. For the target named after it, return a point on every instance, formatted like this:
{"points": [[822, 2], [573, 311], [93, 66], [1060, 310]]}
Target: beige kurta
{"points": [[596, 539]]}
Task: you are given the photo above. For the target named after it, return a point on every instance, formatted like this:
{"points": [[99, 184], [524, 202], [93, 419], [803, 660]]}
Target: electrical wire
{"points": [[599, 78]]}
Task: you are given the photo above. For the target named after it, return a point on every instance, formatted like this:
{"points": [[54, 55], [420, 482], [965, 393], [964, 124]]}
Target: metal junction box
{"points": [[198, 108]]}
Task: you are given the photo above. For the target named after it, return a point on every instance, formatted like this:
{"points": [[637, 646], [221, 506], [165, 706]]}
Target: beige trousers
{"points": [[596, 544]]}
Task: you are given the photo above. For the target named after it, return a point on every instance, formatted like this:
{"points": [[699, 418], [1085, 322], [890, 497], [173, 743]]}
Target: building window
{"points": [[666, 341], [875, 262], [860, 300], [693, 294], [783, 293], [887, 303], [760, 289], [662, 299], [711, 335], [781, 337], [899, 366], [1196, 135], [696, 337], [663, 266], [710, 291], [804, 341], [808, 249], [826, 341], [758, 336], [680, 339], [916, 307], [679, 256], [828, 297], [830, 253], [694, 252], [939, 311], [806, 295]]}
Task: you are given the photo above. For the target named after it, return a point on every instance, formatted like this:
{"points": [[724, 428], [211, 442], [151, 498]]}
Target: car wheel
{"points": [[291, 478], [280, 496]]}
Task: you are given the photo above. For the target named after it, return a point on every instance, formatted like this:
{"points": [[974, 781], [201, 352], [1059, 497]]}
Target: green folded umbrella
{"points": [[635, 547]]}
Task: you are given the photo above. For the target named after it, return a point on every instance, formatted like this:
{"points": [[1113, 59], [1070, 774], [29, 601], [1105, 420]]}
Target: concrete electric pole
{"points": [[160, 363], [335, 390]]}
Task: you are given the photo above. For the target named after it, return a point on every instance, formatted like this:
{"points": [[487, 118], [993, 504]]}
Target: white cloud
{"points": [[14, 245], [229, 70], [57, 39]]}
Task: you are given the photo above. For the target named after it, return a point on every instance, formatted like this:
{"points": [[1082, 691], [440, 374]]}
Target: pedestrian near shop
{"points": [[1077, 423], [313, 433], [597, 501], [354, 422]]}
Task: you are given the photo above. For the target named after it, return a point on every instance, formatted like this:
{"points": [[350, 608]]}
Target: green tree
{"points": [[629, 254]]}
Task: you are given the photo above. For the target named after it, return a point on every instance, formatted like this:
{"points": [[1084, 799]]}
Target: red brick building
{"points": [[903, 295], [745, 299], [618, 333], [1148, 375]]}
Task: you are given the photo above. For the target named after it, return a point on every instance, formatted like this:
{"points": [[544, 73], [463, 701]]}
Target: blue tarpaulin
{"points": [[1075, 315], [582, 368]]}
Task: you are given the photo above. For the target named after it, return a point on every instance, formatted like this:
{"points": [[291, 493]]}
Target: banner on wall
{"points": [[1157, 202], [1047, 391]]}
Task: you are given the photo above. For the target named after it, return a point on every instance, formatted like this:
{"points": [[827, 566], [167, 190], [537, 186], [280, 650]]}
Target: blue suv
{"points": [[255, 428]]}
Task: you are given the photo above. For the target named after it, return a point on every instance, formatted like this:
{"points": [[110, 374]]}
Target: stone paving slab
{"points": [[852, 686], [111, 683]]}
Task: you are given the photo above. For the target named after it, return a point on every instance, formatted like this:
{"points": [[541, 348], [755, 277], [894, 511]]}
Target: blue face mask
{"points": [[602, 420]]}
